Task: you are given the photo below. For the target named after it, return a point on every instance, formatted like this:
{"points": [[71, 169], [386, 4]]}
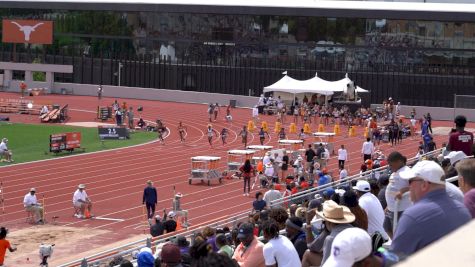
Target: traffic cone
{"points": [[278, 125], [293, 128], [250, 126], [352, 131], [321, 128], [306, 128], [87, 214], [264, 126], [336, 129]]}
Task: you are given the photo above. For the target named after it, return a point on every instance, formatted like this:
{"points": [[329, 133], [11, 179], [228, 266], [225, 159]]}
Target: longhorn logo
{"points": [[26, 29]]}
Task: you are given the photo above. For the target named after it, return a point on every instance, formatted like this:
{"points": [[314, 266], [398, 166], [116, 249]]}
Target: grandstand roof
{"points": [[363, 9]]}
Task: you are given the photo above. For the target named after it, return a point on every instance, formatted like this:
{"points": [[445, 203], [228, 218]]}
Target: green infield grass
{"points": [[30, 142]]}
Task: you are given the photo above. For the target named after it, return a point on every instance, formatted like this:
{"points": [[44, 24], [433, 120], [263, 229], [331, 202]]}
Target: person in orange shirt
{"points": [[5, 244], [249, 252]]}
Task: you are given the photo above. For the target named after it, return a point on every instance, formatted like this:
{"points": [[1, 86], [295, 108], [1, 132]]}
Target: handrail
{"points": [[109, 254]]}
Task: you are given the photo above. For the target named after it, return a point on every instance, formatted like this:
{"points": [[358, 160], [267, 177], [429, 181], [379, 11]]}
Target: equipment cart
{"points": [[236, 158], [325, 138], [260, 153], [292, 146], [205, 169]]}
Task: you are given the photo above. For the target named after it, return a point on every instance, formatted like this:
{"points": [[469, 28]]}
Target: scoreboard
{"points": [[113, 132]]}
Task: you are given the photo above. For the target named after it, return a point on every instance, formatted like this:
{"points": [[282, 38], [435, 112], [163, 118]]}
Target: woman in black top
{"points": [[285, 165], [247, 171]]}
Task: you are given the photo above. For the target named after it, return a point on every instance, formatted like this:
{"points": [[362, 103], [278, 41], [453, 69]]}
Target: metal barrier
{"points": [[107, 255]]}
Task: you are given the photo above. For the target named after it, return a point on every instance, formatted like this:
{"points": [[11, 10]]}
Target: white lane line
{"points": [[108, 219]]}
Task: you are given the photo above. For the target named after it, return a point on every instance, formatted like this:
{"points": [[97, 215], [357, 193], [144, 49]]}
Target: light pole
{"points": [[120, 70]]}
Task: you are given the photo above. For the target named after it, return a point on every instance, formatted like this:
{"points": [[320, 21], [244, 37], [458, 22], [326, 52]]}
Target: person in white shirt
{"points": [[395, 190], [266, 159], [367, 149], [279, 250], [370, 203], [271, 196], [82, 202], [342, 156], [44, 110], [255, 113], [413, 127], [4, 151], [30, 202], [343, 173]]}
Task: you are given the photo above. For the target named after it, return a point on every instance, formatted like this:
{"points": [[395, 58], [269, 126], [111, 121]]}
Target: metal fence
{"points": [[102, 258]]}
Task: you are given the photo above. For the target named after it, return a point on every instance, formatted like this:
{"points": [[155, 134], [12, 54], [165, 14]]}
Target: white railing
{"points": [[102, 257]]}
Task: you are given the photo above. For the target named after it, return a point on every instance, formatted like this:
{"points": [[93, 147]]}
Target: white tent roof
{"points": [[315, 85], [361, 90]]}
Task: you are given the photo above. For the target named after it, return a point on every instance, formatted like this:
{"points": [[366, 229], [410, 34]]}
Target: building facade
{"points": [[418, 57]]}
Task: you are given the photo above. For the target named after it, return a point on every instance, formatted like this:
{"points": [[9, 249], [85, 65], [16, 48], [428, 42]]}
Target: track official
{"points": [[150, 199]]}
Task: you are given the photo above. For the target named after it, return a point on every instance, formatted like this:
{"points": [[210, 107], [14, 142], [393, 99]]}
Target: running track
{"points": [[115, 179]]}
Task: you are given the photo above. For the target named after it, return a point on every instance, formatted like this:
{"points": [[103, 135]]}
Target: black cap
{"points": [[245, 230]]}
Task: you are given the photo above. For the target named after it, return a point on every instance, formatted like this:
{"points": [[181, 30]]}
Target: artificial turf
{"points": [[30, 142]]}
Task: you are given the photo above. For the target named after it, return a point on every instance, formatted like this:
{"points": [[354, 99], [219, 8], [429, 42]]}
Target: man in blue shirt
{"points": [[150, 199], [433, 215]]}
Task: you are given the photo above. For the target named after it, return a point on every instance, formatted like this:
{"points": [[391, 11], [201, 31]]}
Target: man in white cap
{"points": [[371, 204], [178, 210], [4, 151], [433, 215], [353, 247], [82, 202], [30, 202]]}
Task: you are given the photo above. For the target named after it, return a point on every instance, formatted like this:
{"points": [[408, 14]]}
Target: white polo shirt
{"points": [[3, 147], [342, 154], [367, 148], [370, 203], [78, 195], [29, 200]]}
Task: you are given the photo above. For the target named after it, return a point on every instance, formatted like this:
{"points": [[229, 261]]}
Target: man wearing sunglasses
{"points": [[433, 215]]}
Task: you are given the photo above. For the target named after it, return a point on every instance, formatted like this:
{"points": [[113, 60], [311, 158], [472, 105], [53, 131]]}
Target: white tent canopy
{"points": [[361, 90], [314, 85]]}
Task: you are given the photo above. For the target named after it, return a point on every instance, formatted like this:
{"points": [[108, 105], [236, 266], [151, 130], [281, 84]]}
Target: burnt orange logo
{"points": [[27, 31]]}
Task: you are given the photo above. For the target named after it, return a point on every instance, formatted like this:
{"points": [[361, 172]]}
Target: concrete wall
{"points": [[143, 93], [437, 113]]}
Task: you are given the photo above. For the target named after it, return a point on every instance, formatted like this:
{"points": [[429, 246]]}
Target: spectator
{"points": [[293, 229], [273, 196], [383, 184], [373, 208], [170, 223], [350, 199], [210, 235], [367, 149], [337, 218], [460, 140], [249, 253], [343, 173], [82, 202], [170, 255], [223, 246], [145, 258], [30, 202], [342, 157], [353, 247], [279, 215], [158, 227], [395, 191], [324, 178], [4, 151], [467, 183], [434, 213], [126, 263], [149, 199], [4, 245], [184, 246], [215, 260], [279, 250], [259, 204]]}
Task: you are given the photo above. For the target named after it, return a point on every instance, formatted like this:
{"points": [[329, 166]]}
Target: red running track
{"points": [[115, 179]]}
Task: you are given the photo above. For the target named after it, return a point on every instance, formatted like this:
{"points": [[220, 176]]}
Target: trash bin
{"points": [[232, 103]]}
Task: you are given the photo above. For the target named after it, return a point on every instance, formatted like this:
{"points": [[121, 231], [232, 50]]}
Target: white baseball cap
{"points": [[362, 186], [171, 214], [455, 156], [427, 170], [349, 246]]}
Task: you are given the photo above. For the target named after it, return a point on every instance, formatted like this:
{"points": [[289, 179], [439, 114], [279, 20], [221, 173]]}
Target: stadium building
{"points": [[418, 53]]}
